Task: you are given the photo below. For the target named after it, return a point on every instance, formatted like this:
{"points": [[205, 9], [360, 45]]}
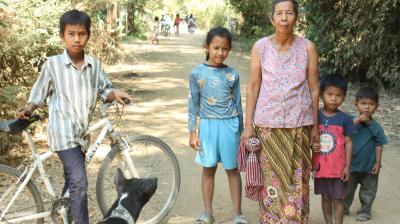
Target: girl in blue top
{"points": [[215, 98]]}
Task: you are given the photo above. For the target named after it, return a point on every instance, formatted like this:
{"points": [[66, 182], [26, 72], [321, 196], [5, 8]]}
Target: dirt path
{"points": [[160, 88]]}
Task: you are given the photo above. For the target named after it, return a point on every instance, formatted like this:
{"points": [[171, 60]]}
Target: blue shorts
{"points": [[219, 142]]}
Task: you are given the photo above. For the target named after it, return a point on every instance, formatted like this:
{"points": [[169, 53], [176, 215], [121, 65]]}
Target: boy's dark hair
{"points": [[275, 2], [218, 31], [367, 92], [75, 17], [156, 18], [333, 80]]}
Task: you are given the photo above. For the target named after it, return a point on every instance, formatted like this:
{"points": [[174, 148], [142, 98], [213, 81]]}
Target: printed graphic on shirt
{"points": [[328, 142]]}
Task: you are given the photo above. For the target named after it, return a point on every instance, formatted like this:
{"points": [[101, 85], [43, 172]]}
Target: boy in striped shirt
{"points": [[71, 83]]}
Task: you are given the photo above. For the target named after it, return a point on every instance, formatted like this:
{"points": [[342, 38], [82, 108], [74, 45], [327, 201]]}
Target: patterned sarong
{"points": [[285, 159]]}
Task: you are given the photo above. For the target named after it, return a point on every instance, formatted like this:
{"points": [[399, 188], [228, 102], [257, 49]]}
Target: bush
{"points": [[359, 40]]}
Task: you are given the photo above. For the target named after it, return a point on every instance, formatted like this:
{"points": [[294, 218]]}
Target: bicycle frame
{"points": [[106, 130]]}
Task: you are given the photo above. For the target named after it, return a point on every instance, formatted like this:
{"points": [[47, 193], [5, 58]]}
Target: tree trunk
{"points": [[130, 18], [112, 16]]}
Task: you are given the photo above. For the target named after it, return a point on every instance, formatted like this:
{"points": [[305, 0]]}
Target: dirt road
{"points": [[160, 87]]}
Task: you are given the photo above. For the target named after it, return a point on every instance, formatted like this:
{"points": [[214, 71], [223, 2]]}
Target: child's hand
{"points": [[376, 169], [346, 174], [363, 118], [194, 141]]}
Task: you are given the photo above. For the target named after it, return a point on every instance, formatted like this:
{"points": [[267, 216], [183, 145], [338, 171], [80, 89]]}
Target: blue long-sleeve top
{"points": [[214, 93]]}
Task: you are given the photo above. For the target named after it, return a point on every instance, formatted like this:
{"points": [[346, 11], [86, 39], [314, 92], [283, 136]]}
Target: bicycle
{"points": [[165, 30], [139, 156]]}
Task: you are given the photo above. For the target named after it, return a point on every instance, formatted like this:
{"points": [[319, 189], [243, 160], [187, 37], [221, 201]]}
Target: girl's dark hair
{"points": [[367, 92], [218, 31], [333, 80], [275, 2], [75, 17], [156, 18]]}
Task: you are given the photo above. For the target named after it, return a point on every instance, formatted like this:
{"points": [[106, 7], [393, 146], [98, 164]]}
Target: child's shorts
{"points": [[219, 142], [334, 187]]}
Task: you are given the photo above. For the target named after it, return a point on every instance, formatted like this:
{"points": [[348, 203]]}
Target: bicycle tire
{"points": [[8, 176], [166, 30], [161, 204]]}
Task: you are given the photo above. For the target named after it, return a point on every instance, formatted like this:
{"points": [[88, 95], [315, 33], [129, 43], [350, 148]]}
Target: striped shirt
{"points": [[71, 94]]}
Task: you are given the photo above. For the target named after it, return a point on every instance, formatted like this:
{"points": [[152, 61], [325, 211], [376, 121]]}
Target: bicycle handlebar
{"points": [[15, 126], [105, 106]]}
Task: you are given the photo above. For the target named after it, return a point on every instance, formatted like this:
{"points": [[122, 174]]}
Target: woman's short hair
{"points": [[275, 2]]}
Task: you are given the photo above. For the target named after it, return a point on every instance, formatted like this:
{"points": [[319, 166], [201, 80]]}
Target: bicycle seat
{"points": [[15, 126]]}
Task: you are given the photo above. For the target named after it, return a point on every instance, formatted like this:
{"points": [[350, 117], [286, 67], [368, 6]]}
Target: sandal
{"points": [[363, 217], [204, 218], [240, 219]]}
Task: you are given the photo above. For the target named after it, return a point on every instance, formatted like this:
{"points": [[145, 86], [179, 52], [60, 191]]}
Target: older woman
{"points": [[281, 110]]}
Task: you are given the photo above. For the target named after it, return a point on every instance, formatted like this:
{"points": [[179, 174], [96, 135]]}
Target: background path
{"points": [[156, 76]]}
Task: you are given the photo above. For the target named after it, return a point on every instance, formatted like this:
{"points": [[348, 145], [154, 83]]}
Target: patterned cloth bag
{"points": [[248, 162]]}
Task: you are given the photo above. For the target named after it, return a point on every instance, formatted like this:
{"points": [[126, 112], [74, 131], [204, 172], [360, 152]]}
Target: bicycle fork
{"points": [[124, 149]]}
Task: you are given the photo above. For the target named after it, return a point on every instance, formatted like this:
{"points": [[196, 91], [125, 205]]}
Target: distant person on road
{"points": [[215, 97], [177, 21], [156, 31], [367, 154], [166, 24], [191, 24]]}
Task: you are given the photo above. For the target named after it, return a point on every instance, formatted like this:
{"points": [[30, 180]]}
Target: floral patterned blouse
{"points": [[284, 99], [214, 93]]}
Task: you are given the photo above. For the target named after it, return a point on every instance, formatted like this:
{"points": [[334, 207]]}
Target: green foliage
{"points": [[358, 39], [213, 15], [255, 15], [29, 33], [255, 20]]}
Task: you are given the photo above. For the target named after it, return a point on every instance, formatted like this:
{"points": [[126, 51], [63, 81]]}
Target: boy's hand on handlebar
{"points": [[121, 97], [26, 111], [23, 113]]}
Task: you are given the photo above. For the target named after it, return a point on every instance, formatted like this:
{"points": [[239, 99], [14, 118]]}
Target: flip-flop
{"points": [[363, 217], [240, 219], [204, 218]]}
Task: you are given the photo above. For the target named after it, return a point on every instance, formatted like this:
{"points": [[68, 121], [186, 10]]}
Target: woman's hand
{"points": [[314, 139], [316, 147], [194, 141], [248, 133]]}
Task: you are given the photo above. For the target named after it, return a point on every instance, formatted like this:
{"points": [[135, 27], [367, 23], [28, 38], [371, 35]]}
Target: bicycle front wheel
{"points": [[152, 158], [27, 203]]}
